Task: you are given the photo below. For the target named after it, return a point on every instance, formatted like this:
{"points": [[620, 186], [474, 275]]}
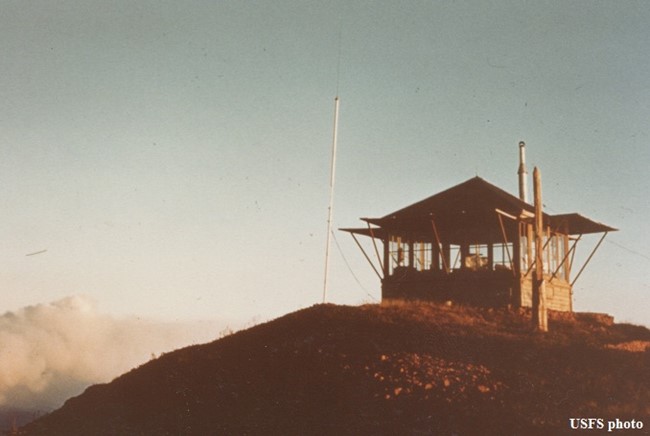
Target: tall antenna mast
{"points": [[331, 200], [330, 207]]}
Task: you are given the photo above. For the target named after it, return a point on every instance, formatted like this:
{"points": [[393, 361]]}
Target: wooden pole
{"points": [[540, 316]]}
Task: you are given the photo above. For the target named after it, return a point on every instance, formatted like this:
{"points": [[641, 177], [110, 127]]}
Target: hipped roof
{"points": [[468, 213]]}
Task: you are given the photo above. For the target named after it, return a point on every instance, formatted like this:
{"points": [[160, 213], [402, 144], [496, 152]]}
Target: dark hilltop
{"points": [[396, 369]]}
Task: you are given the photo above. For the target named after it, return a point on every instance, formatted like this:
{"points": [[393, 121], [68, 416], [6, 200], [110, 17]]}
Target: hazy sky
{"points": [[173, 157]]}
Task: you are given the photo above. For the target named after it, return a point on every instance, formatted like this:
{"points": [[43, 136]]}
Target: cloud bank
{"points": [[50, 352]]}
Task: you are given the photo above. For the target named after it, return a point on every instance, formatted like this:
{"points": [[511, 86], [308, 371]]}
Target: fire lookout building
{"points": [[473, 244]]}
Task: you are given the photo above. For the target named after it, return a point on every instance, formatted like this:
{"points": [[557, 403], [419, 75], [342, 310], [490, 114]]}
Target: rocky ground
{"points": [[393, 369]]}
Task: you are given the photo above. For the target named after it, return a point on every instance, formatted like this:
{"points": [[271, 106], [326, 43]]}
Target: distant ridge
{"points": [[397, 368]]}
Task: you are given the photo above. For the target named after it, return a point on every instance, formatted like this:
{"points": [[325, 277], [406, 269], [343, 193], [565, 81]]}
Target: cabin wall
{"points": [[478, 288], [474, 288], [558, 294]]}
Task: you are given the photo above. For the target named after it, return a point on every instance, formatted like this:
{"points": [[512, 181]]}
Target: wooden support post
{"points": [[386, 265], [421, 257], [505, 244], [490, 255], [529, 246], [443, 249], [464, 254], [589, 258], [446, 256], [374, 243], [565, 260], [540, 316], [435, 256], [366, 256], [516, 253]]}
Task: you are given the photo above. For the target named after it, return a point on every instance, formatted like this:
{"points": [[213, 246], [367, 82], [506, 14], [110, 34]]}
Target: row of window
{"points": [[427, 256]]}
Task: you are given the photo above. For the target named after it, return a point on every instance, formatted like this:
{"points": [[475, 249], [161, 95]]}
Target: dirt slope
{"points": [[399, 369]]}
